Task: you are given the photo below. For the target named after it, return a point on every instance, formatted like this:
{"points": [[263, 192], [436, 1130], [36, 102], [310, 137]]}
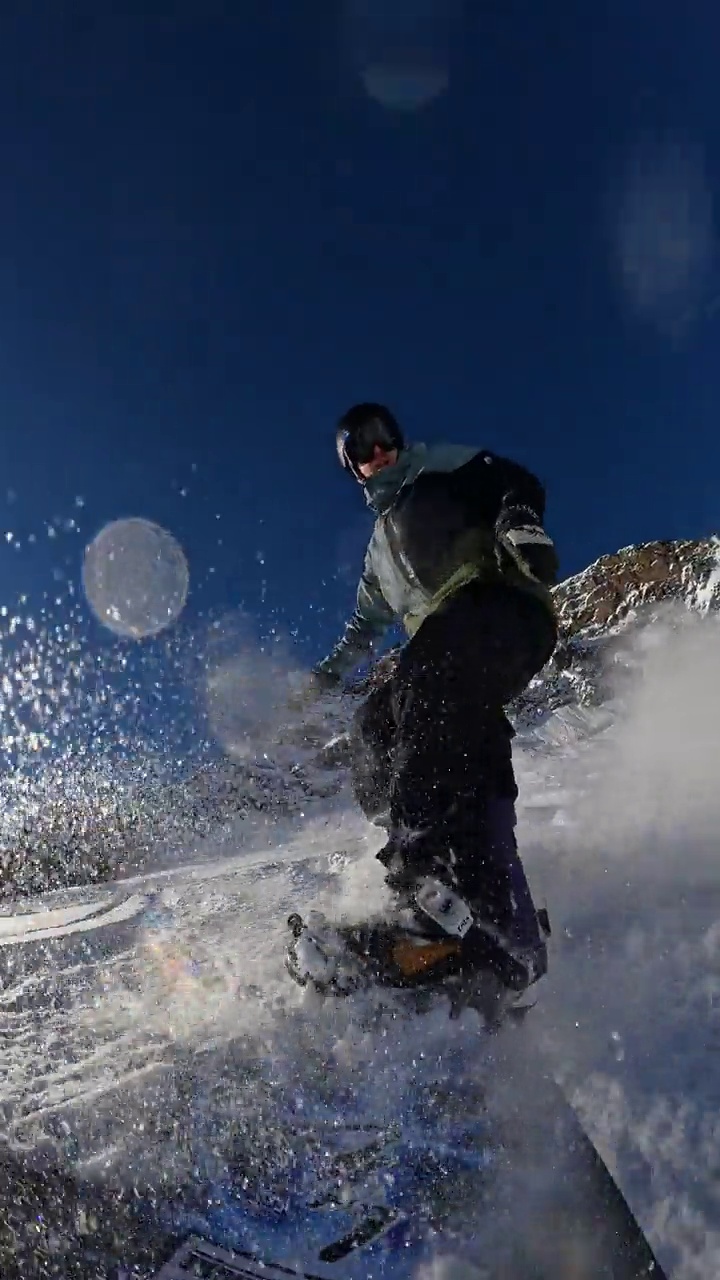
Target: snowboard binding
{"points": [[461, 957]]}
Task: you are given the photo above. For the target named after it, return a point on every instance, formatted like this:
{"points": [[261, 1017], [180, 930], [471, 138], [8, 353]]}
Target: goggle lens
{"points": [[358, 447]]}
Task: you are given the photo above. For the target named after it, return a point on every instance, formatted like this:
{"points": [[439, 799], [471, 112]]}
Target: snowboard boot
{"points": [[435, 942], [430, 911]]}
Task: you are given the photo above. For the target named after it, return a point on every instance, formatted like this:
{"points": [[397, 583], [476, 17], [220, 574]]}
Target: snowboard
{"points": [[368, 1203], [409, 1201]]}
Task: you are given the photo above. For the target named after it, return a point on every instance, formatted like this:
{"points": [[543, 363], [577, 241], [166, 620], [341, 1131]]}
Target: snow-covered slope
{"points": [[157, 1056]]}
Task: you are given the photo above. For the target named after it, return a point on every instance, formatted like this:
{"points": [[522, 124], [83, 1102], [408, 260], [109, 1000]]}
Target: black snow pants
{"points": [[432, 748]]}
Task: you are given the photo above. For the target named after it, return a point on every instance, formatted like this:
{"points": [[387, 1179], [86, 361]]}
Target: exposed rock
{"points": [[618, 585], [600, 610]]}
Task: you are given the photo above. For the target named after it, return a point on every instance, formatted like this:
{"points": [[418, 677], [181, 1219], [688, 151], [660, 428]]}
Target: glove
{"points": [[521, 534], [318, 684]]}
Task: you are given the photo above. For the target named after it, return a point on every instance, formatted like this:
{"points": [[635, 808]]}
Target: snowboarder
{"points": [[459, 555]]}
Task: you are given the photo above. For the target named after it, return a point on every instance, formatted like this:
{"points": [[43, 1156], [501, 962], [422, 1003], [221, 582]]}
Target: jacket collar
{"points": [[381, 491]]}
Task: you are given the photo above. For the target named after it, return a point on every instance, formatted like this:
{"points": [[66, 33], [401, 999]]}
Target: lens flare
{"points": [[402, 48], [135, 577]]}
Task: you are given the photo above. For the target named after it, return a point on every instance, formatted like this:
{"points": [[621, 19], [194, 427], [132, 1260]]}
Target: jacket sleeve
{"points": [[369, 622], [519, 525], [505, 496]]}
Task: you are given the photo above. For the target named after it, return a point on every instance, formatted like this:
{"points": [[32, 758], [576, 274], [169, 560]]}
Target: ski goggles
{"points": [[357, 447]]}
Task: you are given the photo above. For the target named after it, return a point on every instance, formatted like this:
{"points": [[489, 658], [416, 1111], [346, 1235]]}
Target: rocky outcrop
{"points": [[600, 610], [617, 586]]}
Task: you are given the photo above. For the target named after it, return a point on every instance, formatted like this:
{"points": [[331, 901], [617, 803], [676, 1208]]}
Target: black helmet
{"points": [[361, 429]]}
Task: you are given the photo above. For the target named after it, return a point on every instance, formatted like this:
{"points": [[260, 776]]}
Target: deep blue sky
{"points": [[213, 240]]}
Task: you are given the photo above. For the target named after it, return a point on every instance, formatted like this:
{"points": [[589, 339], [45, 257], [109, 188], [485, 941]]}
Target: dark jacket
{"points": [[446, 515]]}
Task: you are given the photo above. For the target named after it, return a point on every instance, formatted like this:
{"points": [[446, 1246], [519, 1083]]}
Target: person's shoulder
{"points": [[448, 457]]}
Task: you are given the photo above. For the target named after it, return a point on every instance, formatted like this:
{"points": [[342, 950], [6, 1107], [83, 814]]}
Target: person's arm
{"points": [[508, 498], [369, 622], [519, 524]]}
